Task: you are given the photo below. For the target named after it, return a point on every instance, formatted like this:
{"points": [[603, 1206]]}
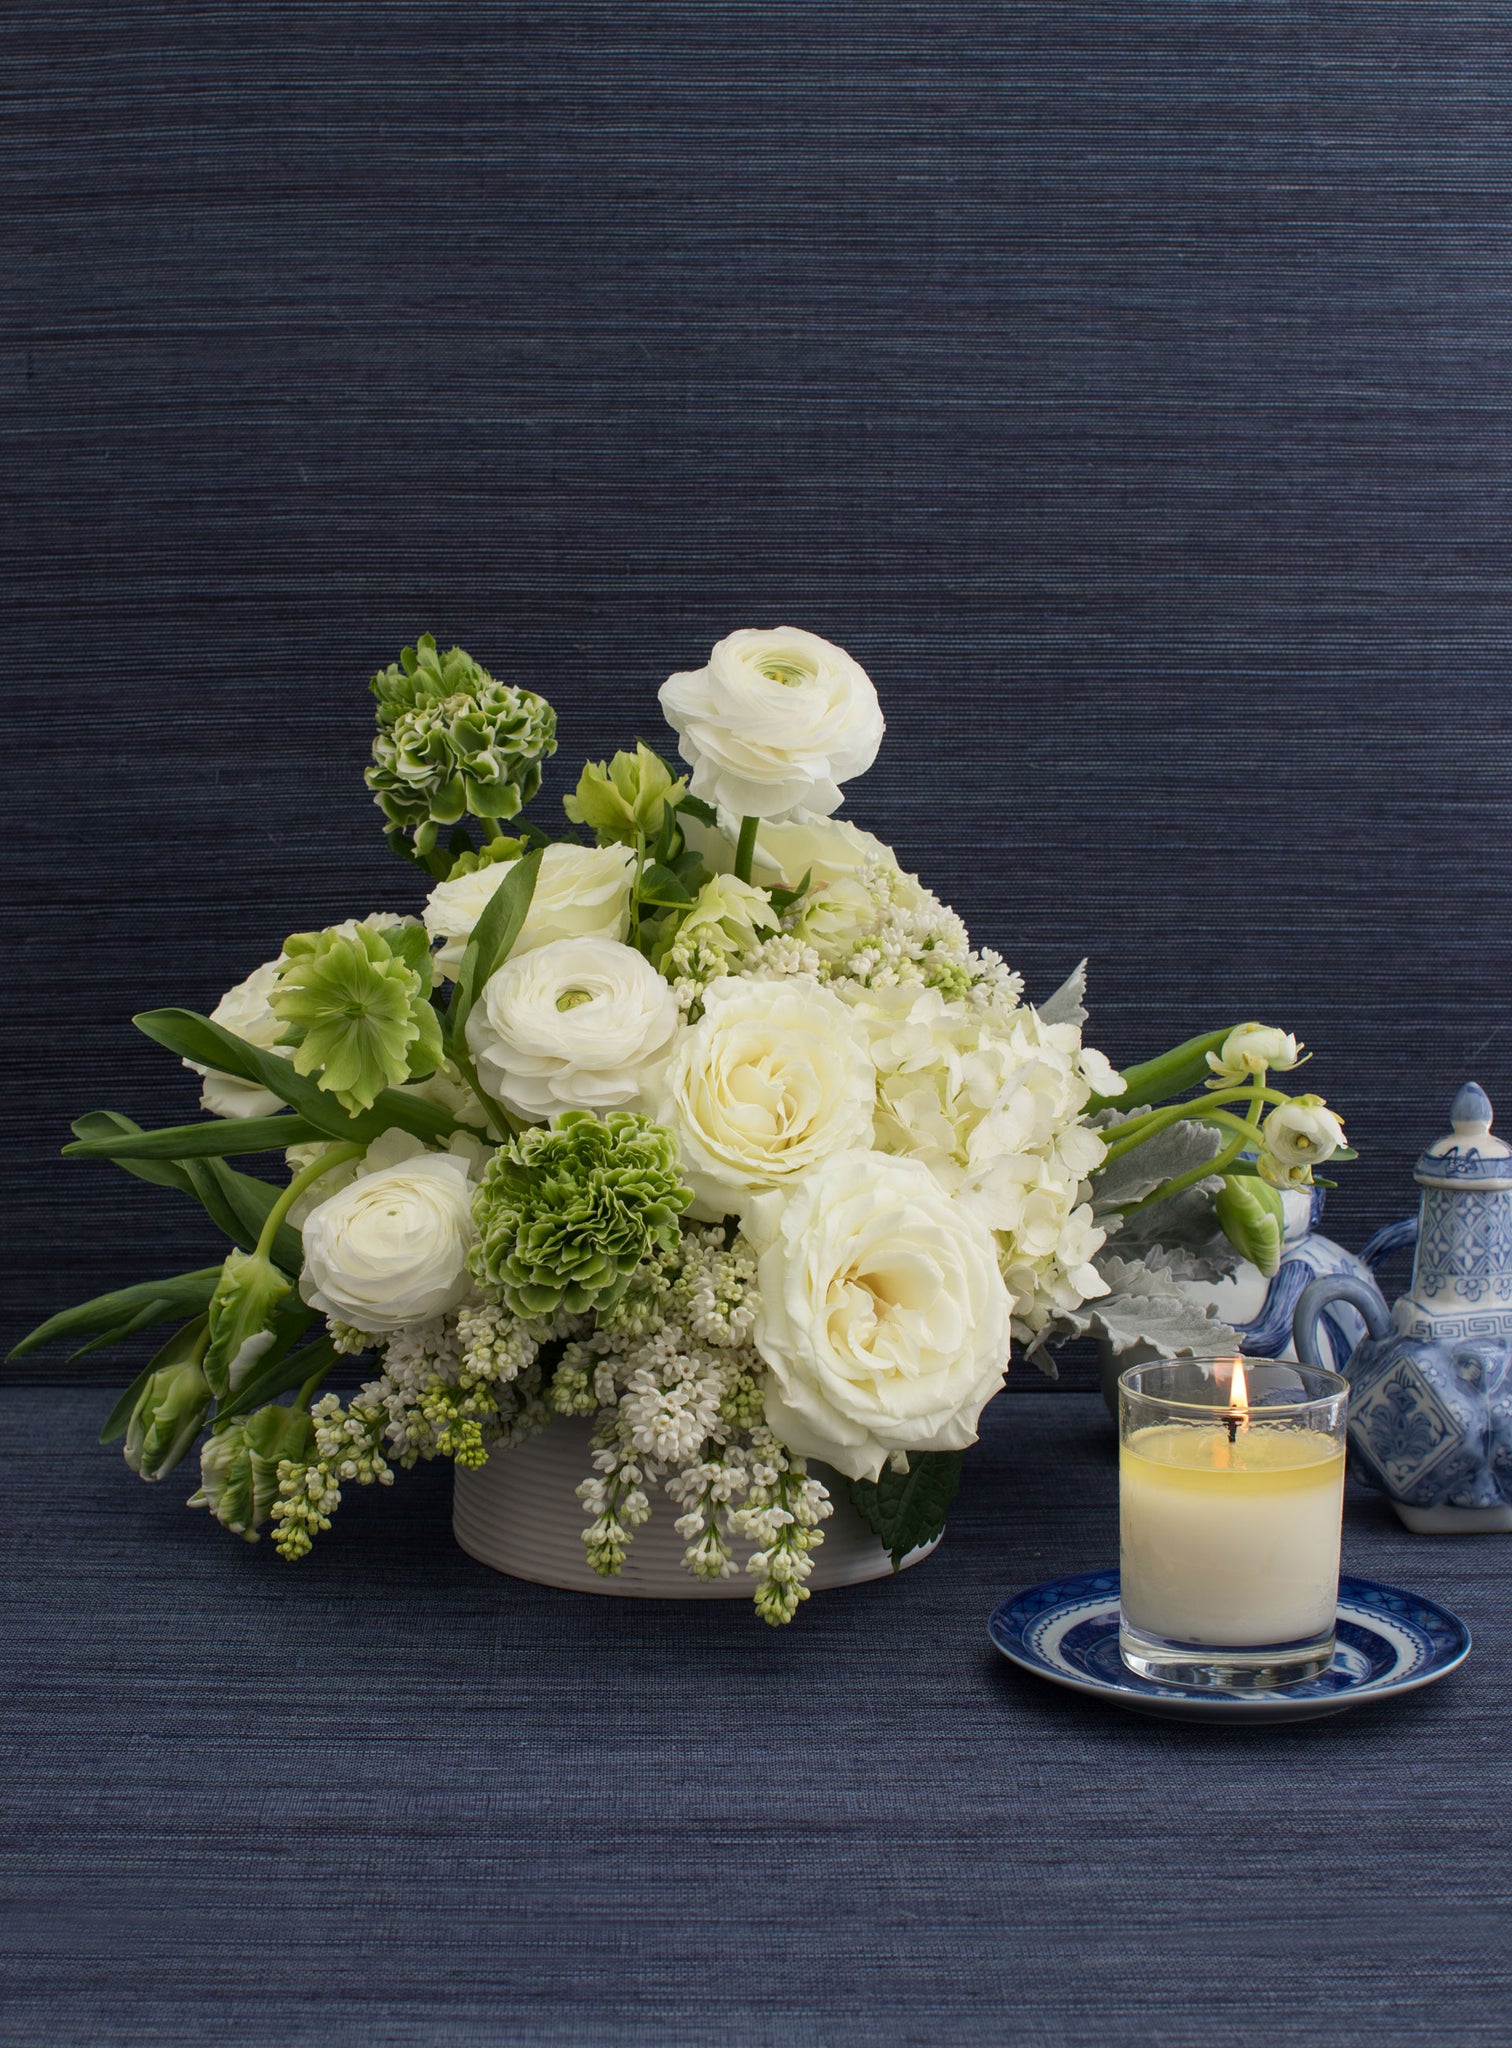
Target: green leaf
{"points": [[162, 1174], [182, 1295], [279, 1373], [180, 1345], [223, 1137], [196, 1038], [1163, 1079], [909, 1508], [149, 1313], [235, 1203], [238, 1205], [697, 808], [492, 937], [660, 886]]}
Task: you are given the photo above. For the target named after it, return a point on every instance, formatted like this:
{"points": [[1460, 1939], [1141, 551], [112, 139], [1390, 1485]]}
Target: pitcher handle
{"points": [[1316, 1297]]}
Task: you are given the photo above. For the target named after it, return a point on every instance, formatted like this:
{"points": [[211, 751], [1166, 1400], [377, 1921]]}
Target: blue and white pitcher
{"points": [[1430, 1388]]}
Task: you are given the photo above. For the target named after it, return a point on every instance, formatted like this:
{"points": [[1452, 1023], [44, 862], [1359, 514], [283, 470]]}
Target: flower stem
{"points": [[338, 1156], [745, 852]]}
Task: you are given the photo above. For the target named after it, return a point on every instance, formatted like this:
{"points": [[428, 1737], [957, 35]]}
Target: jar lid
{"points": [[1469, 1156]]}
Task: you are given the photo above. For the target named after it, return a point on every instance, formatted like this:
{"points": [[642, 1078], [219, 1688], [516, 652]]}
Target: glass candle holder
{"points": [[1231, 1500]]}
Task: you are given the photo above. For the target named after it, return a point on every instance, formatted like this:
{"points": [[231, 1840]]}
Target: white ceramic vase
{"points": [[520, 1514]]}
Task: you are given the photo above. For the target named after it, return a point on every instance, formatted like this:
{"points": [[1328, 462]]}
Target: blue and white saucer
{"points": [[1389, 1642]]}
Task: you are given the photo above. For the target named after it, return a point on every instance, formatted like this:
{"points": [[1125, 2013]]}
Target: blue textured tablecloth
{"points": [[386, 1796]]}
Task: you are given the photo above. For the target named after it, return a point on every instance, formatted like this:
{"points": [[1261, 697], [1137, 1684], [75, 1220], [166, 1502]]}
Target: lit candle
{"points": [[1230, 1519]]}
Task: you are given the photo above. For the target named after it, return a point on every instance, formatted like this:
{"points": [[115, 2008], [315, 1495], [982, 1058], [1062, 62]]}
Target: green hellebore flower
{"points": [[355, 1003], [246, 1295], [239, 1466], [567, 1211], [626, 800], [1253, 1219], [452, 740], [169, 1414]]}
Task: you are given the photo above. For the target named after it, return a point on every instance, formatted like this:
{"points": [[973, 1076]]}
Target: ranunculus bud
{"points": [[239, 1466], [241, 1313], [626, 799], [169, 1414], [1251, 1049], [1252, 1217], [1303, 1132]]}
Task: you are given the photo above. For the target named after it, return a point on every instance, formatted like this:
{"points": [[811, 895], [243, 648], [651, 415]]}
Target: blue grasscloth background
{"points": [[1127, 388]]}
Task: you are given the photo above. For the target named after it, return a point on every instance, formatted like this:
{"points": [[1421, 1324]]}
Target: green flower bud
{"points": [[169, 1414], [567, 1211], [241, 1315], [355, 1002], [239, 1466], [626, 799], [451, 740], [1253, 1219]]}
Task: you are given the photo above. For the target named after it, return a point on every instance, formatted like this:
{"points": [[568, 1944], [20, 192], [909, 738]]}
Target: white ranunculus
{"points": [[774, 1077], [580, 892], [775, 720], [575, 1024], [392, 1247], [884, 1319], [245, 1010]]}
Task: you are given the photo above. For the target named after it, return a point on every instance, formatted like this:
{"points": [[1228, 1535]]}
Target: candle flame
{"points": [[1238, 1390]]}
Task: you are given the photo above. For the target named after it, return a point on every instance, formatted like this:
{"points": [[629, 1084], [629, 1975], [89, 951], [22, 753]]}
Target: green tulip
{"points": [[169, 1414], [239, 1466], [1253, 1219], [246, 1296]]}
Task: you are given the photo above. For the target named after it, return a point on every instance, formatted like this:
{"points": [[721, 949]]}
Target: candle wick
{"points": [[1233, 1427]]}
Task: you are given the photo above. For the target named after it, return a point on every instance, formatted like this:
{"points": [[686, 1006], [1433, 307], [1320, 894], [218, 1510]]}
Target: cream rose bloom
{"points": [[775, 720], [884, 1319], [774, 1077], [574, 1024], [245, 1010], [392, 1247], [580, 892]]}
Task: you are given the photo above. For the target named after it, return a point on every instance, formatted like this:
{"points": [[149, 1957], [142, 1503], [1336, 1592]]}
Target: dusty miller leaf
{"points": [[1175, 1150], [1143, 1306]]}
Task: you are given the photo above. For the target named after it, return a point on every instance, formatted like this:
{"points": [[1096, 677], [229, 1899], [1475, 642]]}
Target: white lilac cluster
{"points": [[676, 1378]]}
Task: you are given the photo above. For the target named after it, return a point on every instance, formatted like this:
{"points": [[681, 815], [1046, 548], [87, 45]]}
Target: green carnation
{"points": [[568, 1210], [452, 741], [239, 1466], [355, 1002]]}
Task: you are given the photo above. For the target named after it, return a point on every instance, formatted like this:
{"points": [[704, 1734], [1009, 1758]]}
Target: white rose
{"points": [[824, 849], [576, 1024], [776, 720], [774, 1077], [392, 1247], [245, 1010], [884, 1319], [391, 1148], [580, 892]]}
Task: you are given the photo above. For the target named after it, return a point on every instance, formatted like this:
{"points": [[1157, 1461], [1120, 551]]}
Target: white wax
{"points": [[1234, 1545]]}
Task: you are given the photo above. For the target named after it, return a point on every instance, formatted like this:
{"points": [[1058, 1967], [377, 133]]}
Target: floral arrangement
{"points": [[703, 1119]]}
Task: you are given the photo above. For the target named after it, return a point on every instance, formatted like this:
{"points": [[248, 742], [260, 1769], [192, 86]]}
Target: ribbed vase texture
{"points": [[519, 1513]]}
